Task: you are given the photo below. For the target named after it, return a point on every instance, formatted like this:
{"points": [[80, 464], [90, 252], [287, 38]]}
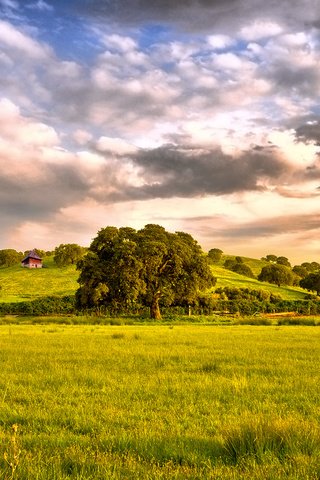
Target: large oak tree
{"points": [[124, 267]]}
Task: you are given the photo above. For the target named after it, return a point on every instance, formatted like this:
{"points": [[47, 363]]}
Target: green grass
{"points": [[146, 402], [23, 284]]}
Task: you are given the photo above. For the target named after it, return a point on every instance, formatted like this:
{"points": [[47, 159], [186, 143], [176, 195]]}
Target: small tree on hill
{"points": [[243, 269], [215, 254], [270, 258], [277, 274], [311, 282], [300, 271], [238, 266], [229, 263]]}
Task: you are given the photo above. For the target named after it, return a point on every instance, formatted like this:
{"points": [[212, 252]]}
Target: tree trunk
{"points": [[154, 307]]}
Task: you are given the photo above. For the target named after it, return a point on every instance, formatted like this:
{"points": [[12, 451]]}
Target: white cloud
{"points": [[13, 38], [117, 146], [220, 42], [229, 61], [23, 131], [119, 42], [260, 29], [297, 153]]}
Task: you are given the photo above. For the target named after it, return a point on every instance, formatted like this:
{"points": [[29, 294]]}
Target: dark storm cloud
{"points": [[59, 186], [309, 132], [287, 77], [275, 225], [202, 14], [171, 171]]}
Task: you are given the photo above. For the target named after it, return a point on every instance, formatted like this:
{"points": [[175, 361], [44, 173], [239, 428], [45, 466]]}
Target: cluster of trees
{"points": [[236, 265], [278, 260], [279, 272], [68, 254], [10, 257]]}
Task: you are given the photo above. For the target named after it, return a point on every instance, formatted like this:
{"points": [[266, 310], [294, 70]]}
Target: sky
{"points": [[202, 116]]}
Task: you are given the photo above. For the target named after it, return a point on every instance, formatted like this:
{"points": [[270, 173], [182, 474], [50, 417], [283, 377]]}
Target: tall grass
{"points": [[188, 402]]}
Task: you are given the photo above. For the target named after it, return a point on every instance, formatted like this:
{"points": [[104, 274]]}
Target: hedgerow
{"points": [[41, 306], [228, 300]]}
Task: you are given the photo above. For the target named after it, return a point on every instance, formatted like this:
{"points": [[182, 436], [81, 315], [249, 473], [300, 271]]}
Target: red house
{"points": [[32, 260]]}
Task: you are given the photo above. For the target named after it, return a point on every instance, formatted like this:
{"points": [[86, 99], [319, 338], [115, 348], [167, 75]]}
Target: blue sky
{"points": [[198, 115]]}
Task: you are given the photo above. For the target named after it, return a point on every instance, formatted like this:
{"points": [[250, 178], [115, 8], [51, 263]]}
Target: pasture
{"points": [[159, 402]]}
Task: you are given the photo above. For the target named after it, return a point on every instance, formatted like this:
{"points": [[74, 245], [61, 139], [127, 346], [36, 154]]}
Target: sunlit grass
{"points": [[24, 284], [188, 402]]}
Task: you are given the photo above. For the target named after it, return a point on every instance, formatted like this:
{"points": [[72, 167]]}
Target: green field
{"points": [[159, 402], [21, 284]]}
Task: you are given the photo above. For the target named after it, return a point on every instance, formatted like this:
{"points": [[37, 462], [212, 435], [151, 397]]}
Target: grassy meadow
{"points": [[159, 402], [23, 284]]}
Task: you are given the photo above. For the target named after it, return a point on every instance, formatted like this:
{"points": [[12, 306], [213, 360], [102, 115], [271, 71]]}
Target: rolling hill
{"points": [[227, 278], [22, 284]]}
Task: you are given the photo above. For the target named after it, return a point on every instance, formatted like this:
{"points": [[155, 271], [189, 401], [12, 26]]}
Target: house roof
{"points": [[31, 254]]}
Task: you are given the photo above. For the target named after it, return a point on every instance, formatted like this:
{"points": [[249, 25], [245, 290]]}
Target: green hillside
{"points": [[227, 278], [23, 284]]}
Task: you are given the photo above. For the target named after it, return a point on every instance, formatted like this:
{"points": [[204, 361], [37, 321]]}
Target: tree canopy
{"points": [[238, 266], [215, 254], [10, 257], [68, 254], [283, 261], [311, 282], [125, 267], [242, 269], [277, 274]]}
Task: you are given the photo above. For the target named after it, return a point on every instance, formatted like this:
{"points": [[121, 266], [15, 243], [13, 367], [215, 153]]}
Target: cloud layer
{"points": [[137, 112]]}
